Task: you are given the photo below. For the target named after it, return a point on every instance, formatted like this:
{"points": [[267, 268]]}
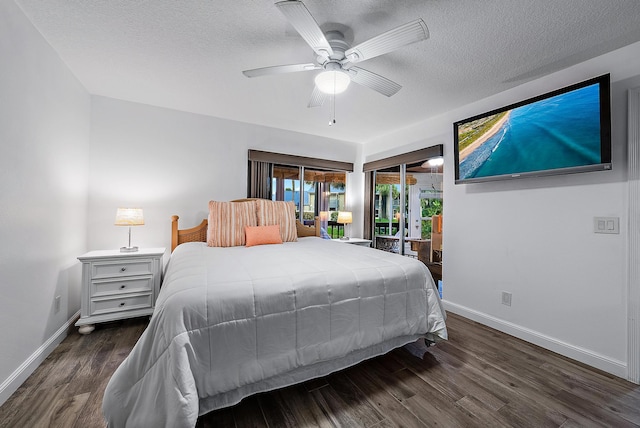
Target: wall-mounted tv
{"points": [[560, 132]]}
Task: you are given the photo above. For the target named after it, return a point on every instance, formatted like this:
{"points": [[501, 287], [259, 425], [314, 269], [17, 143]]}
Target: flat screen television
{"points": [[561, 132]]}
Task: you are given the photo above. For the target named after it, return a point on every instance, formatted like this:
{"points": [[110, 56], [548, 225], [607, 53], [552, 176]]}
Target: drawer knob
{"points": [[123, 268], [122, 304], [122, 286]]}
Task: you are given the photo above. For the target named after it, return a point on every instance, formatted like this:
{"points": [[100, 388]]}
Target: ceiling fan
{"points": [[337, 58]]}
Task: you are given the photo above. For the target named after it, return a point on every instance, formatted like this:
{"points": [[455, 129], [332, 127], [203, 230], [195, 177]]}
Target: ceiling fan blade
{"points": [[317, 98], [299, 17], [279, 69], [373, 81], [403, 35]]}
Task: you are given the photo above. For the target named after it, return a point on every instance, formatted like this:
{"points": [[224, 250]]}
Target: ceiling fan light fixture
{"points": [[332, 81], [433, 162]]}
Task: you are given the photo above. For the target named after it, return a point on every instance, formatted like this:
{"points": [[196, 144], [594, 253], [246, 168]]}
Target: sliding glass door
{"points": [[388, 209], [325, 192], [321, 194], [317, 187], [404, 205], [286, 185]]}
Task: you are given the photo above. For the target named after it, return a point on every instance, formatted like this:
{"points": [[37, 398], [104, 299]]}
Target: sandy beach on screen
{"points": [[490, 133]]}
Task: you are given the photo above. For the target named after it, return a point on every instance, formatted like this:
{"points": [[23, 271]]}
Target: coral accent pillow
{"points": [[227, 221], [281, 213], [261, 235]]}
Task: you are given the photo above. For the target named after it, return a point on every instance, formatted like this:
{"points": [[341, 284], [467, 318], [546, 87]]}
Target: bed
{"points": [[232, 321]]}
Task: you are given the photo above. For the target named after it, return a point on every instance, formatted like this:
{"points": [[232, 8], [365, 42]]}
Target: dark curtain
{"points": [[260, 174]]}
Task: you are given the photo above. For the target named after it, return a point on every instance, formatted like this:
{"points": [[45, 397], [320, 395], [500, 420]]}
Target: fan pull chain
{"points": [[332, 102], [332, 110]]}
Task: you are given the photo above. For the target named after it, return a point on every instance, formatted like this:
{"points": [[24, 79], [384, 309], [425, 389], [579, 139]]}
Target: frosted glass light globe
{"points": [[332, 82]]}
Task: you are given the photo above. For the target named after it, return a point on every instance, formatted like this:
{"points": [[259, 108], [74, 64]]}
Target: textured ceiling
{"points": [[189, 55]]}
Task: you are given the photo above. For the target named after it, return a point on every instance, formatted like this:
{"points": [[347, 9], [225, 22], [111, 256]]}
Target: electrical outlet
{"points": [[506, 298], [56, 304]]}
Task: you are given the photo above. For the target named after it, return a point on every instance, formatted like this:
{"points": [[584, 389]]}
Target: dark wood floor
{"points": [[480, 377]]}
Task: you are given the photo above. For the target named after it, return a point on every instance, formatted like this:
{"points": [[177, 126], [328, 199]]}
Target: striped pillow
{"points": [[280, 213], [227, 221]]}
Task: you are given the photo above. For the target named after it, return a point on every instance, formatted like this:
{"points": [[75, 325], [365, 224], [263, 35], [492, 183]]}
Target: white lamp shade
{"points": [[345, 217], [129, 217], [332, 81]]}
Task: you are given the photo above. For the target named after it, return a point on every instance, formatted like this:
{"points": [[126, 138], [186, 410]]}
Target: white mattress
{"points": [[230, 322]]}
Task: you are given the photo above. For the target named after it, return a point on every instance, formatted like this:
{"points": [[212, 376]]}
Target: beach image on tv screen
{"points": [[557, 132]]}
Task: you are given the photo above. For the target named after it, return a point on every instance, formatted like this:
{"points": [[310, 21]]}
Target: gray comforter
{"points": [[230, 322]]}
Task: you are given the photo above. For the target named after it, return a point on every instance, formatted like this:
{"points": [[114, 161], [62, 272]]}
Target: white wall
{"points": [[169, 162], [44, 154], [534, 237]]}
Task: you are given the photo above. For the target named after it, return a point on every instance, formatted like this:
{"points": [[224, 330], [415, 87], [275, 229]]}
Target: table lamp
{"points": [[345, 218], [129, 217]]}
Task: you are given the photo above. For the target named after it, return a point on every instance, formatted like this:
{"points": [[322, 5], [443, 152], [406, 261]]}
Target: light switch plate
{"points": [[609, 225]]}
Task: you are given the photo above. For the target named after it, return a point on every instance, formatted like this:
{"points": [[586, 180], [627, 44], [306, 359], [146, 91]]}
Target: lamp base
{"points": [[128, 249], [344, 238]]}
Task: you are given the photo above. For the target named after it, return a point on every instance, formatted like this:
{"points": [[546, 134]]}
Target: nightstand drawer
{"points": [[106, 287], [121, 303], [121, 268]]}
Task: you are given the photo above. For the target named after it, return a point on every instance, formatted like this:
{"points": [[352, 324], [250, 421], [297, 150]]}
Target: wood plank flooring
{"points": [[480, 377]]}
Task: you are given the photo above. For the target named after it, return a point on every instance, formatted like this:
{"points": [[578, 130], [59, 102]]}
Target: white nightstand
{"points": [[355, 241], [118, 285]]}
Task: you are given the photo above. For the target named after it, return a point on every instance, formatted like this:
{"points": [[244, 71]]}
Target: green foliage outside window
{"points": [[430, 207]]}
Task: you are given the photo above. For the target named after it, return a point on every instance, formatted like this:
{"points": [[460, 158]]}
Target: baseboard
{"points": [[609, 365], [17, 378]]}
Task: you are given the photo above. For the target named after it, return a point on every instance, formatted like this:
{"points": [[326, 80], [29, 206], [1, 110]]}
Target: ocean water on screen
{"points": [[557, 132]]}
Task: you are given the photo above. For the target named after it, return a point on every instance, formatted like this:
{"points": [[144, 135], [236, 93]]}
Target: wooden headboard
{"points": [[180, 236], [199, 233]]}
